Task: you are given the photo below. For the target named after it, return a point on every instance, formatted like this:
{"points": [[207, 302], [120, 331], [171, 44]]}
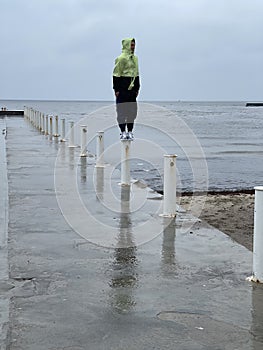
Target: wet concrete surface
{"points": [[181, 289], [4, 299]]}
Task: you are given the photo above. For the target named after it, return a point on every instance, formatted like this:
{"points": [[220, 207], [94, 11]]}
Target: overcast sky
{"points": [[187, 49]]}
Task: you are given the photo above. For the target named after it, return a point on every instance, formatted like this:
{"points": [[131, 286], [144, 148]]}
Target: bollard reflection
{"points": [[71, 158], [125, 276], [257, 317], [56, 143], [168, 246], [99, 183], [62, 153], [83, 170]]}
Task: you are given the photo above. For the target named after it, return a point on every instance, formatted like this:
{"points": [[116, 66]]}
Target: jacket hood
{"points": [[126, 45], [126, 65]]}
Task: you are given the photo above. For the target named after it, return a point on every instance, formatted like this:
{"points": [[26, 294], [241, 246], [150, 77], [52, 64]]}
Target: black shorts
{"points": [[126, 106]]}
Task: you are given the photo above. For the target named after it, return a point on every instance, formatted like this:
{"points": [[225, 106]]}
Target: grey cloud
{"points": [[195, 49]]}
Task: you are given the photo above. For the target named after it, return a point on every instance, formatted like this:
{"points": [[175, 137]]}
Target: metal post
{"points": [[100, 149], [25, 112], [71, 135], [56, 127], [38, 124], [51, 126], [46, 129], [125, 162], [31, 115], [39, 121], [258, 236], [42, 123], [63, 130], [34, 118], [169, 202], [83, 141]]}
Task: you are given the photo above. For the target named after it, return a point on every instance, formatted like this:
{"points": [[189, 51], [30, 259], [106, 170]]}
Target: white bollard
{"points": [[38, 121], [63, 130], [46, 128], [51, 126], [100, 149], [43, 123], [258, 236], [169, 186], [125, 163], [83, 141], [56, 127], [31, 115], [27, 113], [34, 118], [71, 135]]}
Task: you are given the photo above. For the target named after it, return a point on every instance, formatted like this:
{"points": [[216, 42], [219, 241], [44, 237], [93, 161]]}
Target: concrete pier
{"points": [[254, 104], [179, 289], [6, 112]]}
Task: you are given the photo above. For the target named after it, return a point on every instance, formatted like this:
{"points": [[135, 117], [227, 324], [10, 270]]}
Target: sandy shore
{"points": [[231, 213]]}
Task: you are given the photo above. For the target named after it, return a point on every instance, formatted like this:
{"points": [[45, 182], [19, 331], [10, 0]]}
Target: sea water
{"points": [[229, 134]]}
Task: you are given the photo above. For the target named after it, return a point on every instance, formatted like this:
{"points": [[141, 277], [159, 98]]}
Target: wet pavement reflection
{"points": [[169, 265], [83, 170], [99, 183], [71, 158], [257, 317], [124, 268]]}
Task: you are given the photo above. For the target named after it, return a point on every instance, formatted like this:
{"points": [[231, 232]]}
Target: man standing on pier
{"points": [[126, 84]]}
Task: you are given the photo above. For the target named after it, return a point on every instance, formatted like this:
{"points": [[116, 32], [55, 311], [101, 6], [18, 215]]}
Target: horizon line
{"points": [[148, 100]]}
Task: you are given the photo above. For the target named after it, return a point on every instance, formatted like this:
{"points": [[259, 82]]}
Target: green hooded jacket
{"points": [[126, 65]]}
